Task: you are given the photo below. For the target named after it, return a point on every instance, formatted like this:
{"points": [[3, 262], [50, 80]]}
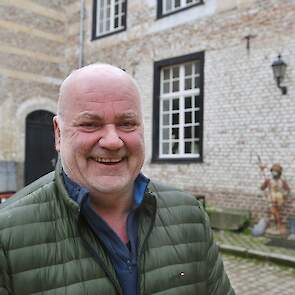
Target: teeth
{"points": [[105, 160]]}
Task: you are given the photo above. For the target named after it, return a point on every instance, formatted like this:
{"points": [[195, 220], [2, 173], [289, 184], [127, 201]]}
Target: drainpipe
{"points": [[81, 39]]}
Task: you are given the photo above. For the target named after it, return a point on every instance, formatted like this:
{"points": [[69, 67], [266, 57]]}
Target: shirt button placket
{"points": [[129, 266]]}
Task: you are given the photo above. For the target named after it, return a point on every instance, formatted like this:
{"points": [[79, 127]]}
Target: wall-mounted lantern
{"points": [[279, 69]]}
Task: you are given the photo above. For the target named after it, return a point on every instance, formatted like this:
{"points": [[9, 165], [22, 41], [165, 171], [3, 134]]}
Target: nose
{"points": [[110, 138]]}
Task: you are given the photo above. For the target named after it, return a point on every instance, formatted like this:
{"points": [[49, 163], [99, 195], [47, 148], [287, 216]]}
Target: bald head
{"points": [[99, 130], [93, 78]]}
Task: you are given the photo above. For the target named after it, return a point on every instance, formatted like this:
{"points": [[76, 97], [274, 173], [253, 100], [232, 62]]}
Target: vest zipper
{"points": [[141, 250], [101, 263]]}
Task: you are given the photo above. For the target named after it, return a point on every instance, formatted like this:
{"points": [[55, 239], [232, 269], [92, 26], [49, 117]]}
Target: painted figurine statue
{"points": [[277, 191]]}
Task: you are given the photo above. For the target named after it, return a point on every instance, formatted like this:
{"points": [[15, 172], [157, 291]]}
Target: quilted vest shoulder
{"points": [[22, 206], [41, 250], [178, 244], [170, 196]]}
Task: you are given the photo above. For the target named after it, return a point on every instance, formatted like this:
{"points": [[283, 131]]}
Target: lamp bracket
{"points": [[283, 88], [248, 38]]}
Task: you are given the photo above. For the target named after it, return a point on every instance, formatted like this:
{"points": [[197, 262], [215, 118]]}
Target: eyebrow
{"points": [[89, 115], [128, 115], [97, 117]]}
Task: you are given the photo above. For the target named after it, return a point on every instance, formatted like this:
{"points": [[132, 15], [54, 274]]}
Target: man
{"points": [[97, 225]]}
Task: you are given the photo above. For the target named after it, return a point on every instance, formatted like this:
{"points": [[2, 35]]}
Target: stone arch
{"points": [[23, 110]]}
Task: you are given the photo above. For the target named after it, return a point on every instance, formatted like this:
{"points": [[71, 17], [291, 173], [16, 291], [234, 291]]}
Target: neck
{"points": [[115, 204], [114, 210]]}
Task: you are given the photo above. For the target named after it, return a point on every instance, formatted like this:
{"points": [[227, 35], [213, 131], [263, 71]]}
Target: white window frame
{"points": [[183, 4], [102, 11], [180, 95]]}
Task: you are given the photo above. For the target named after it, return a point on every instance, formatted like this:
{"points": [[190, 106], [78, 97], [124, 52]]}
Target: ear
{"points": [[57, 135]]}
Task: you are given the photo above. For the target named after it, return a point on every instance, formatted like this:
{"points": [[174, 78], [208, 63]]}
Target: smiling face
{"points": [[99, 131]]}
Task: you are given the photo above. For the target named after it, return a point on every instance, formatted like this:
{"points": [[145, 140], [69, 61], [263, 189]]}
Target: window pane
{"points": [[196, 99], [177, 3], [197, 67], [188, 84], [108, 26], [175, 104], [165, 133], [101, 27], [189, 1], [188, 132], [166, 74], [175, 133], [101, 14], [165, 148], [175, 86], [175, 119], [197, 132], [175, 72], [166, 105], [175, 148], [196, 147], [188, 69], [188, 147], [166, 88], [166, 120], [116, 24], [197, 82], [188, 117], [116, 9], [187, 102], [123, 21], [123, 7], [168, 5], [197, 116]]}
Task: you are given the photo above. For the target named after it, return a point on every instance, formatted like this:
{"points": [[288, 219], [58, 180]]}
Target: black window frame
{"points": [[158, 65], [94, 21], [160, 9]]}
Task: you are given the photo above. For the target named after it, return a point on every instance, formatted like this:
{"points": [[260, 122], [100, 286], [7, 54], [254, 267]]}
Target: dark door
{"points": [[40, 155]]}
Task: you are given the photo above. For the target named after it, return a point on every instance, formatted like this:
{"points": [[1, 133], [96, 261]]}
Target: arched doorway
{"points": [[40, 154]]}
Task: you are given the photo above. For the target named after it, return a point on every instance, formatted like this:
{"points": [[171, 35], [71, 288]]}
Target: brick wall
{"points": [[32, 66], [245, 114]]}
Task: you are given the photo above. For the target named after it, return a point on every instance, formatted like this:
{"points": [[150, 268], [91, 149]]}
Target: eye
{"points": [[128, 125], [89, 125]]}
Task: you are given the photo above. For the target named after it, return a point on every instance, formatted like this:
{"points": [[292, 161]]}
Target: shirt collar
{"points": [[79, 193], [141, 183]]}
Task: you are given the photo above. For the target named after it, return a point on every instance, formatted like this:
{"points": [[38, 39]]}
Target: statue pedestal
{"points": [[292, 228], [274, 232]]}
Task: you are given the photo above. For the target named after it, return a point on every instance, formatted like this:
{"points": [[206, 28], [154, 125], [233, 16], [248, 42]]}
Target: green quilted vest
{"points": [[47, 248]]}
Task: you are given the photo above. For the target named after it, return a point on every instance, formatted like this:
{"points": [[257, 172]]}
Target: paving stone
{"points": [[245, 242], [254, 277]]}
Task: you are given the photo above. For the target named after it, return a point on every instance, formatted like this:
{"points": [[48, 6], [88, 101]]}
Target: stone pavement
{"points": [[248, 246], [256, 277]]}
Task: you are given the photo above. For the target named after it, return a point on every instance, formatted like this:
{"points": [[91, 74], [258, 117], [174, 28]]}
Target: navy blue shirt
{"points": [[123, 257]]}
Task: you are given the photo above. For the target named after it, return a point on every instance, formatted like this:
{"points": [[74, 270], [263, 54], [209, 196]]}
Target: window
{"points": [[109, 17], [178, 108], [166, 7]]}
